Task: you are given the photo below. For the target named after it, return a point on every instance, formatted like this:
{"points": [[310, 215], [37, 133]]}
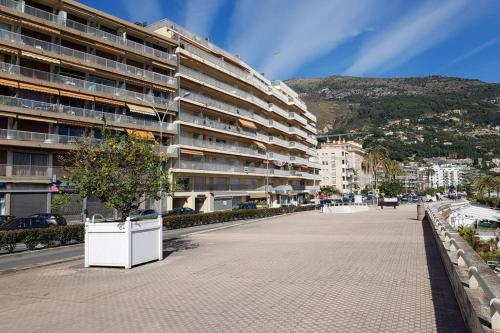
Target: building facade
{"points": [[446, 176], [65, 67], [241, 136], [341, 166]]}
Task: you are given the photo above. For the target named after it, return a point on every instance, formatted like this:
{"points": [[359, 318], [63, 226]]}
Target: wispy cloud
{"points": [[279, 36], [414, 33], [146, 10], [475, 51], [200, 15]]}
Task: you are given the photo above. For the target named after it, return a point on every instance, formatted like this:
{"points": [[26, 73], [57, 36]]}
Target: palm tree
{"points": [[429, 172], [393, 169], [373, 159], [484, 184]]}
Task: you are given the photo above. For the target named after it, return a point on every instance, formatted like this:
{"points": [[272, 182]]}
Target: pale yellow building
{"points": [[341, 166]]}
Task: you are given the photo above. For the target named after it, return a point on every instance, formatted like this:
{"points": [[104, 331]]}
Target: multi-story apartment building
{"points": [[63, 68], [341, 166], [232, 134], [446, 176], [241, 136]]}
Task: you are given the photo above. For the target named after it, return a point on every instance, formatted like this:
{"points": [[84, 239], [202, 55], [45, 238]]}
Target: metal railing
{"points": [[210, 102], [102, 35], [277, 140], [85, 57], [279, 111], [223, 86], [7, 134], [298, 117], [207, 122], [89, 86], [220, 146], [79, 112], [33, 171]]}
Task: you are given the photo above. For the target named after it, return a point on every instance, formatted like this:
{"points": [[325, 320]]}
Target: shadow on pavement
{"points": [[446, 310], [177, 244]]}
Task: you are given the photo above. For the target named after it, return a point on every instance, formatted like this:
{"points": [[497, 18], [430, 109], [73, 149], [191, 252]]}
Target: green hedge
{"points": [[46, 237], [184, 221]]}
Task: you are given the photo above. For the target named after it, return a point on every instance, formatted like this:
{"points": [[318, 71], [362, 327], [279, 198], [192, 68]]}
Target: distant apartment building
{"points": [[231, 134], [412, 178], [341, 166], [445, 175]]}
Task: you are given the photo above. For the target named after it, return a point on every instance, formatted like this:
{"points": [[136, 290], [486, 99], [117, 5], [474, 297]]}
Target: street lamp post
{"points": [[161, 120]]}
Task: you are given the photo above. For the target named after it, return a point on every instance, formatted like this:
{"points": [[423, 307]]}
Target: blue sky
{"points": [[310, 38]]}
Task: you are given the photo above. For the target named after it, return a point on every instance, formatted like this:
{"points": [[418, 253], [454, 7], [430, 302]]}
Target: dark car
{"points": [[27, 223], [52, 219], [144, 214], [181, 211], [247, 205], [6, 218]]}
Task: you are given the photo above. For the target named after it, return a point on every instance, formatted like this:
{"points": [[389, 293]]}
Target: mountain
{"points": [[414, 117]]}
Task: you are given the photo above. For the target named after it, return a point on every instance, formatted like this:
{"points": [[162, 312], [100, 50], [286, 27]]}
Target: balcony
{"points": [[311, 129], [227, 88], [219, 105], [224, 147], [56, 109], [278, 156], [279, 111], [298, 131], [279, 141], [6, 134], [88, 30], [279, 126], [211, 123], [296, 116], [88, 86], [115, 66], [30, 171], [299, 160]]}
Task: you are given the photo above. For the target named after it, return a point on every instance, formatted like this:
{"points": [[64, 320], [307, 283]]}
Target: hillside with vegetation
{"points": [[413, 117]]}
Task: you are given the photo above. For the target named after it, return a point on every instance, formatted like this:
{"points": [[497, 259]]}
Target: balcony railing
{"points": [[298, 131], [223, 86], [32, 171], [89, 86], [296, 116], [102, 35], [207, 122], [221, 146], [6, 134], [85, 57], [278, 126], [275, 139], [79, 112], [279, 111], [278, 156]]}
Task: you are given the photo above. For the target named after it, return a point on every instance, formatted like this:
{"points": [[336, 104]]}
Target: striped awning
{"points": [[40, 57], [141, 135], [191, 152], [76, 95], [141, 109], [109, 101], [7, 49], [260, 145], [247, 124], [39, 27], [9, 83], [38, 88]]}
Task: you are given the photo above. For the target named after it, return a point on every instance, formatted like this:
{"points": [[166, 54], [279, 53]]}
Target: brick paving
{"points": [[377, 271]]}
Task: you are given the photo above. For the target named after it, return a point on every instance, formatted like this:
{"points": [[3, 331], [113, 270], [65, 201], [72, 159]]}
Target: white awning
{"points": [[141, 109]]}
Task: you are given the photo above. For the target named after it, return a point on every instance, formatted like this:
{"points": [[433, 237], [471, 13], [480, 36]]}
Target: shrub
{"points": [[31, 239], [9, 239], [47, 237], [184, 221], [63, 235]]}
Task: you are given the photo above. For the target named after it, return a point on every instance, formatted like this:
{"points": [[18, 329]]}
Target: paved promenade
{"points": [[377, 271]]}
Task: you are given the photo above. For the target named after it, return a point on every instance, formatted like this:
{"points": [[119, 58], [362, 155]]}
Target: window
{"points": [[19, 158]]}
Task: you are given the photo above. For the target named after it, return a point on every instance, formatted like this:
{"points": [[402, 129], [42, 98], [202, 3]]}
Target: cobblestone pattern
{"points": [[377, 271]]}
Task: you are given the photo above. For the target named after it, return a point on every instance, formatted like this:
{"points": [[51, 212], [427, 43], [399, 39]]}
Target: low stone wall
{"points": [[476, 286]]}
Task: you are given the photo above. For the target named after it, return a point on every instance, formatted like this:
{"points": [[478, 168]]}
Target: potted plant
{"points": [[122, 171]]}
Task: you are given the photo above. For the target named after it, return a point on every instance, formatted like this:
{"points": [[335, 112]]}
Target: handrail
{"points": [[57, 49]]}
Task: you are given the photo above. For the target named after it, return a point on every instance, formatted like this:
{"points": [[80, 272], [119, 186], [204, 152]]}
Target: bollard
{"points": [[420, 212], [473, 282], [495, 314], [460, 258]]}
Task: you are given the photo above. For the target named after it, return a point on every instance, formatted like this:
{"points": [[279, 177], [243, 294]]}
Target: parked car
{"points": [[143, 214], [5, 218], [181, 211], [247, 205], [53, 219], [32, 222]]}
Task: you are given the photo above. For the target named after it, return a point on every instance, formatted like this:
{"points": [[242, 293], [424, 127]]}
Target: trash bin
{"points": [[420, 212]]}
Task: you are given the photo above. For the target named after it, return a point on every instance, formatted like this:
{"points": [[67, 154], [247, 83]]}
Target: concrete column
{"points": [[8, 168]]}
